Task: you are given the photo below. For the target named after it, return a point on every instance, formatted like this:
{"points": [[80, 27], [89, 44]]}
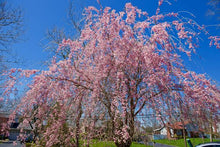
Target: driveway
{"points": [[10, 144]]}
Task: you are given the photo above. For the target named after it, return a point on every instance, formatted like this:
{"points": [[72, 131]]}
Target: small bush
{"points": [[28, 144]]}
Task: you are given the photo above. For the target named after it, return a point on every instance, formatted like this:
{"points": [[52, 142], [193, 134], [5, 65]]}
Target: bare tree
{"points": [[54, 36], [11, 22], [213, 12], [11, 27], [214, 9]]}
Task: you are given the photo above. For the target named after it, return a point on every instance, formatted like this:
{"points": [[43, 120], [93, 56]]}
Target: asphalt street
{"points": [[10, 144]]}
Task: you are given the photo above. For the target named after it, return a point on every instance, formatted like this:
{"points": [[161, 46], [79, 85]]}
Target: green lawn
{"points": [[101, 144], [6, 140], [180, 142], [111, 144]]}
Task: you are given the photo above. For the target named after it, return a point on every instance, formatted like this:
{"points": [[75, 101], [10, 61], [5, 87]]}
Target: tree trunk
{"points": [[211, 132], [131, 125], [124, 144], [128, 142], [182, 121], [113, 129], [184, 136], [77, 132], [78, 123]]}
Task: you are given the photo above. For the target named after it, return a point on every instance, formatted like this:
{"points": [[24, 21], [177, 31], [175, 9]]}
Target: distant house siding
{"points": [[159, 136], [163, 131], [218, 128], [13, 132]]}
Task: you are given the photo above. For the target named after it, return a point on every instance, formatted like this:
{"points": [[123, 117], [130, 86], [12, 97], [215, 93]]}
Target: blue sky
{"points": [[41, 15]]}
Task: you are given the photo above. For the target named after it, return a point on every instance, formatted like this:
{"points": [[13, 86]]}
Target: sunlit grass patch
{"points": [[180, 142]]}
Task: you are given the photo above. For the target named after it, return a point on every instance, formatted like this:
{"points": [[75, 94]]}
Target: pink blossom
{"points": [[160, 2], [14, 143], [120, 67], [216, 40], [13, 70]]}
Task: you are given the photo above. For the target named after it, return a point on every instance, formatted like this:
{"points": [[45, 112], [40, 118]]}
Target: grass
{"points": [[5, 140], [112, 144], [180, 142], [96, 143], [134, 144]]}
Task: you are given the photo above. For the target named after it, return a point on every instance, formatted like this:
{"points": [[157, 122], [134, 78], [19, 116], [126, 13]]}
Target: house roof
{"points": [[4, 114], [25, 126], [159, 129], [178, 125]]}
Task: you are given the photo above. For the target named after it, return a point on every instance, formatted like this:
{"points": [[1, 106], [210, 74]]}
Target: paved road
{"points": [[10, 144]]}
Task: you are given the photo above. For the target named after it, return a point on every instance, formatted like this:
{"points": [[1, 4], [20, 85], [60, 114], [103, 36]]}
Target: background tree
{"points": [[11, 20], [214, 9], [54, 36], [11, 26]]}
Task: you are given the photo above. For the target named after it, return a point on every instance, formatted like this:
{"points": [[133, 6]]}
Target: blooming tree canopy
{"points": [[122, 63]]}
